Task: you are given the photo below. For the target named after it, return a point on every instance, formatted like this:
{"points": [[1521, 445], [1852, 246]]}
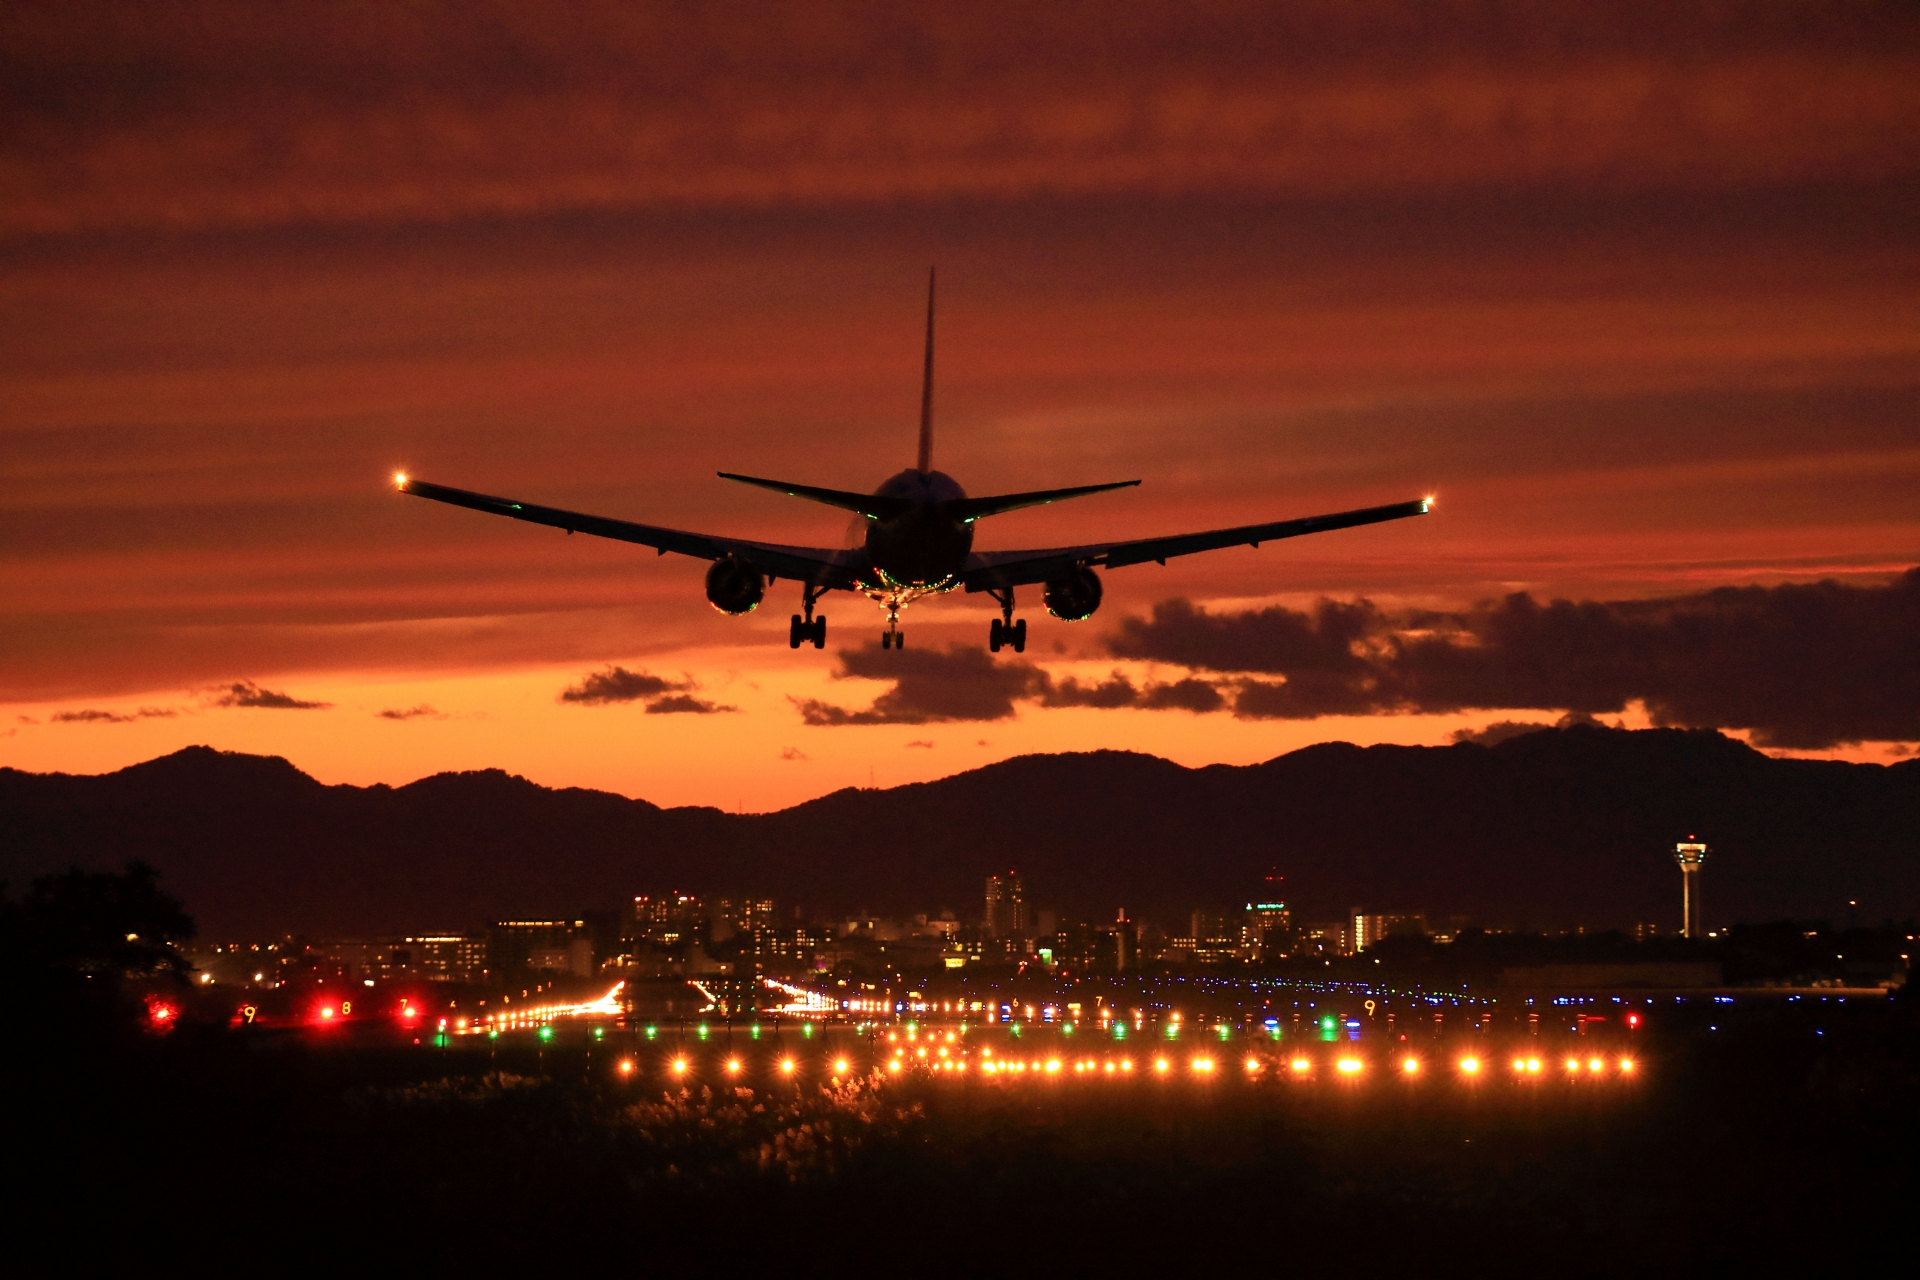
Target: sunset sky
{"points": [[1631, 289]]}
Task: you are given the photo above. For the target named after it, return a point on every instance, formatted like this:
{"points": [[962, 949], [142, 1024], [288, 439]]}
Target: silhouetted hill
{"points": [[1552, 828]]}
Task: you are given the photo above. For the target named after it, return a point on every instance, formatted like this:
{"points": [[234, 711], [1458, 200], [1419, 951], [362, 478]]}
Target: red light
{"points": [[326, 1013], [1633, 1019]]}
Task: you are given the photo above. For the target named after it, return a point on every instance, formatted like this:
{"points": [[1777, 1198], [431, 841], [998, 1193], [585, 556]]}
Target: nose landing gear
{"points": [[892, 638], [1005, 632], [810, 630]]}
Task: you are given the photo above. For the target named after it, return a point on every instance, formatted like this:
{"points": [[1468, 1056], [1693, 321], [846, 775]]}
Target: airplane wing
{"points": [[818, 565], [997, 570]]}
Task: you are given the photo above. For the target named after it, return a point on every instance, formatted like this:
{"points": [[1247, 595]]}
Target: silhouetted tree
{"points": [[105, 926]]}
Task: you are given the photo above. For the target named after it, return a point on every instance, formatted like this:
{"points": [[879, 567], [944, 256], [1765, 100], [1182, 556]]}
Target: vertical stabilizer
{"points": [[926, 389]]}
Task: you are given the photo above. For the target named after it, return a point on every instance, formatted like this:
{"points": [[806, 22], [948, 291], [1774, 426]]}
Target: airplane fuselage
{"points": [[924, 546]]}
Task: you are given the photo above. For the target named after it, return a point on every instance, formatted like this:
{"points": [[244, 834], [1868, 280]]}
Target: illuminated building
{"points": [[535, 946], [1689, 853], [450, 957], [1216, 936], [1370, 927], [727, 917], [666, 920], [432, 957], [1267, 927], [1327, 938], [797, 946], [1124, 945], [1006, 906]]}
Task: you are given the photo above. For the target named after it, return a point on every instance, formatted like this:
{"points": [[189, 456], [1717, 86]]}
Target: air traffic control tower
{"points": [[1690, 853]]}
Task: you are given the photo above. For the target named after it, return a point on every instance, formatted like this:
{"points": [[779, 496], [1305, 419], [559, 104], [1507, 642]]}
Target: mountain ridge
{"points": [[1553, 828]]}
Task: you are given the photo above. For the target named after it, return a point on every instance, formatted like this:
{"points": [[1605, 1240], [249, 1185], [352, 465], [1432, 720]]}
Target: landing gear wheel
{"points": [[1018, 638], [996, 636], [886, 639], [797, 632], [817, 632], [899, 639]]}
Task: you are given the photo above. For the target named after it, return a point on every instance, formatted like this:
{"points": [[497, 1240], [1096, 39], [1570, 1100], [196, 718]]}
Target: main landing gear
{"points": [[812, 630], [1005, 631]]}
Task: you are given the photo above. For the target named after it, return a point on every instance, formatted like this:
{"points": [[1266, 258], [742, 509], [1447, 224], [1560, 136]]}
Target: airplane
{"points": [[918, 543]]}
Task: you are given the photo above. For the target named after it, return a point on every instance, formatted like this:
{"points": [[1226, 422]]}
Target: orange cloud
{"points": [[422, 112]]}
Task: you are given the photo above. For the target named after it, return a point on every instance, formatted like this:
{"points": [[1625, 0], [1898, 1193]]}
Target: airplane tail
{"points": [[925, 463]]}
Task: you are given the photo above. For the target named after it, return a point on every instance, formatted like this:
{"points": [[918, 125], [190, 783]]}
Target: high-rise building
{"points": [[1326, 938], [727, 917], [1690, 853], [1267, 927], [667, 919], [1370, 927], [444, 957], [539, 946], [1125, 943], [1216, 935], [1007, 906]]}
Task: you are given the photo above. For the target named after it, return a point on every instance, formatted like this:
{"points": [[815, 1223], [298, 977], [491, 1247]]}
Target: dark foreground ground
{"points": [[1789, 1133]]}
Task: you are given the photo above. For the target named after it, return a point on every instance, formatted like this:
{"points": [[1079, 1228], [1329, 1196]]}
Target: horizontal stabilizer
{"points": [[872, 506], [970, 509]]}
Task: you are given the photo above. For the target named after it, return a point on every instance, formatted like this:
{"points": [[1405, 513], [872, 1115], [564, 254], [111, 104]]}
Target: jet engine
{"points": [[1073, 595], [735, 586]]}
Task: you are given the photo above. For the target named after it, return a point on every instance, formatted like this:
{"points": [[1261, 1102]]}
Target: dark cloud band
{"points": [[663, 696], [246, 693], [1800, 666]]}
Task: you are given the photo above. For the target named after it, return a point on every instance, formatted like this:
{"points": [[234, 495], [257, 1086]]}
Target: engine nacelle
{"points": [[1073, 595], [734, 586]]}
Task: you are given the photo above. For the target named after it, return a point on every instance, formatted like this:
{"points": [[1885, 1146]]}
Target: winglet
{"points": [[926, 389]]}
